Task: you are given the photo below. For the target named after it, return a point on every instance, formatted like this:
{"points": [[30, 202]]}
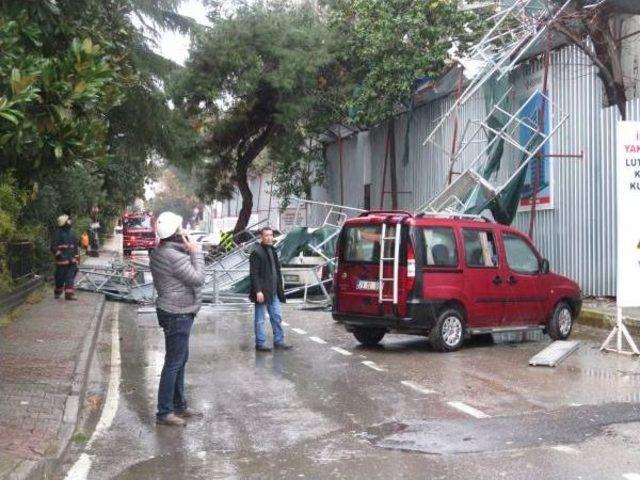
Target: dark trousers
{"points": [[65, 275], [177, 328]]}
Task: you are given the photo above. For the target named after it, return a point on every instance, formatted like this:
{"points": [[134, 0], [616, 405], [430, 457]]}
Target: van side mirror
{"points": [[544, 266]]}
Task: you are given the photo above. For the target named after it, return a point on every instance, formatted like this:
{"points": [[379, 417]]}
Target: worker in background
{"points": [[66, 258], [84, 240]]}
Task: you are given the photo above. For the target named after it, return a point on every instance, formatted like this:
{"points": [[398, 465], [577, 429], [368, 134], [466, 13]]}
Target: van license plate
{"points": [[366, 285]]}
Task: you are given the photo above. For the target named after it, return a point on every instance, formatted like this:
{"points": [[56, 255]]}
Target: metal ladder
{"points": [[382, 280]]}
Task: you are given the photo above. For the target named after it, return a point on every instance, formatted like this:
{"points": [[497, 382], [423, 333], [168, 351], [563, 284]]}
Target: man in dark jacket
{"points": [[267, 291], [66, 258]]}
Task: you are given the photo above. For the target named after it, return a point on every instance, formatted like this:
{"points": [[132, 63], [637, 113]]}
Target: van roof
{"points": [[427, 218]]}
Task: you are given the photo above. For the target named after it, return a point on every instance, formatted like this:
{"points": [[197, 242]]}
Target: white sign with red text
{"points": [[628, 175]]}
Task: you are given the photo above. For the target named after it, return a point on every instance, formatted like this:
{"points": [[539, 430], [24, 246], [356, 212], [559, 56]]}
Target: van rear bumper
{"points": [[422, 317]]}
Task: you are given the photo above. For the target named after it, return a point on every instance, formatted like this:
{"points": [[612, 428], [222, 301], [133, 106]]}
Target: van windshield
{"points": [[142, 221], [362, 243]]}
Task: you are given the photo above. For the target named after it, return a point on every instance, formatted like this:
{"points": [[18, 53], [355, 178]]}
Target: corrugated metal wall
{"points": [[578, 234]]}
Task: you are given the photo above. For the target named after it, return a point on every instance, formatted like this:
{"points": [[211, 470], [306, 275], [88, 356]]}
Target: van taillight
{"points": [[411, 268]]}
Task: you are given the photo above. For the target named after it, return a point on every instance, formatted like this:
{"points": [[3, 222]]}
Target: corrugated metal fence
{"points": [[577, 235]]}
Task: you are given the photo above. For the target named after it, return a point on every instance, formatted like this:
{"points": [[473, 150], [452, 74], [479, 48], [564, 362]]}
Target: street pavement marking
{"points": [[318, 340], [82, 467], [373, 365], [469, 410], [566, 449], [299, 330], [631, 476], [417, 387], [341, 351], [285, 324]]}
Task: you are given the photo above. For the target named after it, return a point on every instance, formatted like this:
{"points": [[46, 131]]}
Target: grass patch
{"points": [[80, 438]]}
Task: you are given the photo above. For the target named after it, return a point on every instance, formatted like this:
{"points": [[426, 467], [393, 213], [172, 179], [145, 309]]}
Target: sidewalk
{"points": [[601, 313], [44, 356]]}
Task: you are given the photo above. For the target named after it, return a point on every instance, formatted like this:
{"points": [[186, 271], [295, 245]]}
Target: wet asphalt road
{"points": [[333, 409]]}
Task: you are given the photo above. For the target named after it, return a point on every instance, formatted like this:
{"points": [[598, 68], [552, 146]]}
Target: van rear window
{"points": [[440, 245], [362, 243]]}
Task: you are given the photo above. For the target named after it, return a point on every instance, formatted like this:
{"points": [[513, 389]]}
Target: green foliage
{"points": [[255, 81], [82, 110], [386, 46], [12, 200], [58, 77]]}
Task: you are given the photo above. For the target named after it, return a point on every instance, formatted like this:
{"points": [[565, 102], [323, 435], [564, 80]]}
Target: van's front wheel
{"points": [[369, 337], [448, 333], [560, 324]]}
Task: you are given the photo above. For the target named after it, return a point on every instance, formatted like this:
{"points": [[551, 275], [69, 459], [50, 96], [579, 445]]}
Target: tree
{"points": [[82, 110], [386, 46], [252, 83], [596, 31], [58, 78]]}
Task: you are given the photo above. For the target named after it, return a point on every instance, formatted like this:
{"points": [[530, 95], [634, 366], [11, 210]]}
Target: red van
{"points": [[446, 277]]}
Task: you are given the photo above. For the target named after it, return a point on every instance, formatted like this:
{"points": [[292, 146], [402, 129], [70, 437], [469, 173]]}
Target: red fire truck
{"points": [[138, 232]]}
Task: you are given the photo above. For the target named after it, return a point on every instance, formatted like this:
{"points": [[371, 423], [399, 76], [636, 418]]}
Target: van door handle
{"points": [[512, 280], [497, 280]]}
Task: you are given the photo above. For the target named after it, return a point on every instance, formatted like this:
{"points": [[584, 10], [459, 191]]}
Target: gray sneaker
{"points": [[171, 419]]}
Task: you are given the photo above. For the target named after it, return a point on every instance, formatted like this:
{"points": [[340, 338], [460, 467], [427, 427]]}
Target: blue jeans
{"points": [[275, 315], [177, 328]]}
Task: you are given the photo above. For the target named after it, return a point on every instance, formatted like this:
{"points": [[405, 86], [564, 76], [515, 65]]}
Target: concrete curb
{"points": [[46, 467], [606, 320]]}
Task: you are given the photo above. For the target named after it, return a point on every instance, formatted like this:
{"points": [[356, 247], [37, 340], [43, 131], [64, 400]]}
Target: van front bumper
{"points": [[421, 319]]}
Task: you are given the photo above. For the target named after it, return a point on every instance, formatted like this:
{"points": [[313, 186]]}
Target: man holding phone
{"points": [[177, 267], [267, 291]]}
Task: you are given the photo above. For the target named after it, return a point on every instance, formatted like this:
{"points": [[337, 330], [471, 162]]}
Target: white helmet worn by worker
{"points": [[62, 220], [168, 223]]}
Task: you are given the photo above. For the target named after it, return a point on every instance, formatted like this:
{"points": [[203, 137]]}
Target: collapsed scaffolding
{"points": [[306, 250], [497, 151]]}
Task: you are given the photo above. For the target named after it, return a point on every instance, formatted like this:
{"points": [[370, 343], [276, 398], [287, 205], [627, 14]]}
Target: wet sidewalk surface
{"points": [[40, 377], [44, 353], [333, 409]]}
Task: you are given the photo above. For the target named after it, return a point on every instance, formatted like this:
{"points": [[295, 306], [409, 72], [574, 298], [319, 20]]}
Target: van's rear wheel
{"points": [[560, 325], [448, 333], [369, 337]]}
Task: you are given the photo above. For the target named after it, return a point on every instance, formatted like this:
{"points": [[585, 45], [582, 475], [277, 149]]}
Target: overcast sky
{"points": [[175, 46]]}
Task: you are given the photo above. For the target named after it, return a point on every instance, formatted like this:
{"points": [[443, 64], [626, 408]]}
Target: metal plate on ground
{"points": [[554, 354]]}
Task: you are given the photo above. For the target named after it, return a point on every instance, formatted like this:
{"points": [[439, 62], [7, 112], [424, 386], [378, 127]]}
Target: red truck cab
{"points": [[138, 232], [446, 277]]}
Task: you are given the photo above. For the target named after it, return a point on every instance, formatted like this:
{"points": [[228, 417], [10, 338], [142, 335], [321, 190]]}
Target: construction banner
{"points": [[628, 196]]}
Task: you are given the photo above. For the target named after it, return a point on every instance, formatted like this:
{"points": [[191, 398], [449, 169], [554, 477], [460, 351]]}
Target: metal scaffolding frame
{"points": [[467, 187], [129, 280], [516, 29]]}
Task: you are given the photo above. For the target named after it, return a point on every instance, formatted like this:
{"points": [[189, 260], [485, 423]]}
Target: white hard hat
{"points": [[168, 223], [62, 220]]}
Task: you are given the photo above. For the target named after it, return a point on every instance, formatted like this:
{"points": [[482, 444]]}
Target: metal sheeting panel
{"points": [[578, 234]]}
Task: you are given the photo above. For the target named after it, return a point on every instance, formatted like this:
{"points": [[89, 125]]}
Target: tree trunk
{"points": [[244, 160], [608, 49], [392, 163], [605, 55], [247, 200]]}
